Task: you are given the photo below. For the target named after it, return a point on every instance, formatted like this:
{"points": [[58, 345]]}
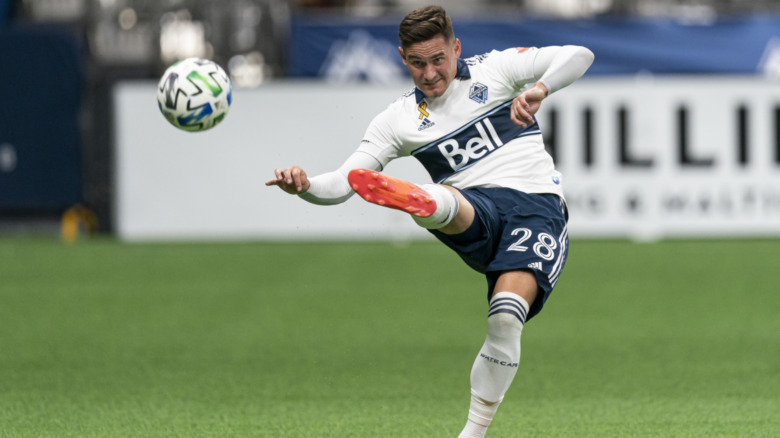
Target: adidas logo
{"points": [[535, 265], [425, 124]]}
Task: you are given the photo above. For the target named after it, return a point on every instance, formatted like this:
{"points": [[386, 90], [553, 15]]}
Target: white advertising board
{"points": [[669, 157], [642, 157], [176, 185]]}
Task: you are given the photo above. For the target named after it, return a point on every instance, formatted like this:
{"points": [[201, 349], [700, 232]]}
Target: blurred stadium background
{"points": [[682, 108], [673, 134]]}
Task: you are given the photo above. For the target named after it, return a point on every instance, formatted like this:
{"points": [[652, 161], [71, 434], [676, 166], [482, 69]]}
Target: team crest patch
{"points": [[478, 92]]}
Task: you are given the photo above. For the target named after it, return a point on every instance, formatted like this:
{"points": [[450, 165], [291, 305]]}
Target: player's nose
{"points": [[430, 73]]}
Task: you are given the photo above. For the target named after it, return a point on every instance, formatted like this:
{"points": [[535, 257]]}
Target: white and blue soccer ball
{"points": [[195, 94]]}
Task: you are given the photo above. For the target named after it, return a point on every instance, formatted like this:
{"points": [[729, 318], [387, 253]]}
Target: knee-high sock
{"points": [[497, 361]]}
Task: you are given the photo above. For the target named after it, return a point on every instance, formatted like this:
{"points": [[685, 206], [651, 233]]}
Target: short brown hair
{"points": [[423, 24]]}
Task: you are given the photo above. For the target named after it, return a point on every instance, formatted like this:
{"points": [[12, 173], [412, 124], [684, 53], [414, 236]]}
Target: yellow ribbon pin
{"points": [[421, 108]]}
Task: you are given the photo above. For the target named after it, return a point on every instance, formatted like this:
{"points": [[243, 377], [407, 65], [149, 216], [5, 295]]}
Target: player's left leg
{"points": [[432, 206]]}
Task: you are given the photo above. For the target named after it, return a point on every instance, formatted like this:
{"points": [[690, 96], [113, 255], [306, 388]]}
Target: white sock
{"points": [[481, 413], [497, 362], [446, 207]]}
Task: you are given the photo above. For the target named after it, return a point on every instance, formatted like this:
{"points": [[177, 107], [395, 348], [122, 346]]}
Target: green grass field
{"points": [[103, 339]]}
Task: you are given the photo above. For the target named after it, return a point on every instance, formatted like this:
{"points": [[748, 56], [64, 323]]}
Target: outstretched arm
{"points": [[325, 189]]}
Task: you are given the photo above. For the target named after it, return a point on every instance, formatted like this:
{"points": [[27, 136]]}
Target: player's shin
{"points": [[446, 207], [497, 361]]}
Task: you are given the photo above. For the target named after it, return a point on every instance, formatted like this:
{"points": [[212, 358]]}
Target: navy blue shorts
{"points": [[514, 230]]}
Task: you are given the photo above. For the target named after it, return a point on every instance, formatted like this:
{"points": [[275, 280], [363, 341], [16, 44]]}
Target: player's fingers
{"points": [[276, 179], [297, 175], [524, 109], [519, 115], [283, 180], [515, 116], [285, 175], [516, 120], [304, 181]]}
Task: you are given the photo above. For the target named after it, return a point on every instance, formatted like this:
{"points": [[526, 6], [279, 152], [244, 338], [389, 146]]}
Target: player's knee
{"points": [[521, 282], [504, 325], [507, 314], [446, 208]]}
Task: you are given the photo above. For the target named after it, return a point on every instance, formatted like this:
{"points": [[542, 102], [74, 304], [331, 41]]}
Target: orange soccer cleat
{"points": [[391, 192]]}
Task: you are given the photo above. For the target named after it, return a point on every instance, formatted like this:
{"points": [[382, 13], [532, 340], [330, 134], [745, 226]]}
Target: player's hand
{"points": [[527, 104], [292, 180]]}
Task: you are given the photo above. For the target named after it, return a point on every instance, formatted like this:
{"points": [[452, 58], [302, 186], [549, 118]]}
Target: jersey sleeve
{"points": [[515, 66], [333, 187], [379, 146], [558, 66], [380, 140], [555, 66]]}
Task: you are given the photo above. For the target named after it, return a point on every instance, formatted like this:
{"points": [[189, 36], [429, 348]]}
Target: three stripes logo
{"points": [[425, 124], [535, 265]]}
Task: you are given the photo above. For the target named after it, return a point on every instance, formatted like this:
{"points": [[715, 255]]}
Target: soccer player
{"points": [[497, 199]]}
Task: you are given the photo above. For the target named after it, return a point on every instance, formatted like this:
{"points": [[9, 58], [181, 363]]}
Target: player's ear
{"points": [[456, 48], [403, 55]]}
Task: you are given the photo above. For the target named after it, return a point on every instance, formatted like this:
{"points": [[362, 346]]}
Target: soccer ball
{"points": [[194, 94]]}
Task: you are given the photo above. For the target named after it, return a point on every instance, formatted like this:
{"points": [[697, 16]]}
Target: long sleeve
{"points": [[332, 187], [558, 66]]}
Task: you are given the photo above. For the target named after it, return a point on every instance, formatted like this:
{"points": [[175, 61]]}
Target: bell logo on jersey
{"points": [[469, 144], [474, 148]]}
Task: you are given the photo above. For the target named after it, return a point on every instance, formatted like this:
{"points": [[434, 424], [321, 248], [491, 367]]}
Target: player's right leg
{"points": [[432, 206]]}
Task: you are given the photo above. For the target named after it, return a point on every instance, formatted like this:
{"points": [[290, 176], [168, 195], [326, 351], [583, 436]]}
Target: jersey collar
{"points": [[463, 72]]}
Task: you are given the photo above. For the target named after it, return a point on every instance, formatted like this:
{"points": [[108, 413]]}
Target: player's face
{"points": [[432, 64]]}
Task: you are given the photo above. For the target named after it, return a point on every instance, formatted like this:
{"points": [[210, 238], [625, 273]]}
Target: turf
{"points": [[103, 339]]}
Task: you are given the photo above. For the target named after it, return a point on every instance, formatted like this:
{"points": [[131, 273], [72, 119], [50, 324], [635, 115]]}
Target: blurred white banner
{"points": [[658, 157]]}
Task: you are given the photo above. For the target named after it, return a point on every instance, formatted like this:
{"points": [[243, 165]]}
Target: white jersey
{"points": [[465, 137]]}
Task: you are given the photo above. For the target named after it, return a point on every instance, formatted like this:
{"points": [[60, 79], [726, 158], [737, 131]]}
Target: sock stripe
{"points": [[502, 302], [506, 302], [508, 305], [519, 317]]}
